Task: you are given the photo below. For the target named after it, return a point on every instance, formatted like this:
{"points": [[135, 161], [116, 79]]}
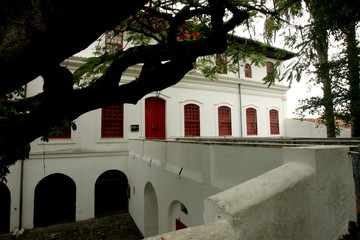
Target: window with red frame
{"points": [[270, 70], [247, 70], [224, 114], [251, 121], [112, 121], [274, 122], [62, 132], [221, 61], [113, 42], [192, 120]]}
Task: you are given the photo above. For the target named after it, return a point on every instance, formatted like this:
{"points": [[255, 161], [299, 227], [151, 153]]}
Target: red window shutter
{"points": [[247, 71], [112, 121], [274, 122], [221, 62], [113, 42], [224, 115], [192, 120], [251, 121], [270, 70], [62, 132]]}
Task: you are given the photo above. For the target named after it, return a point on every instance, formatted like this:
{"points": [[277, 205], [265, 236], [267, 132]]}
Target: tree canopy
{"points": [[37, 35], [167, 36]]}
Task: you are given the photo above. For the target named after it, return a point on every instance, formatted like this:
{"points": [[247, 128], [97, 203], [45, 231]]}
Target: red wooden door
{"points": [[154, 118], [179, 225]]}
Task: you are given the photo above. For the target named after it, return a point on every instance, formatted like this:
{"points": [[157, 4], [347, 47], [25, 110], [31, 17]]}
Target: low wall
{"points": [[310, 196], [303, 129], [180, 172]]}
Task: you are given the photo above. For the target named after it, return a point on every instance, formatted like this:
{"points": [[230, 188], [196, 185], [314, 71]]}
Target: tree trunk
{"points": [[321, 47], [353, 60]]}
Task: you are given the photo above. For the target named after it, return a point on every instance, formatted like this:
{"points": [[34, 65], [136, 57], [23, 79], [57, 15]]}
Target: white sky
{"points": [[299, 91]]}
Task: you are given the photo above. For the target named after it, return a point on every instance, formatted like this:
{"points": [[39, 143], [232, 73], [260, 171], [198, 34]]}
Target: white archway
{"points": [[151, 211]]}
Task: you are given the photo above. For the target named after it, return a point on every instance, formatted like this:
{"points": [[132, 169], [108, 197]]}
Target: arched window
{"points": [[221, 62], [192, 120], [224, 114], [247, 70], [112, 121], [63, 132], [113, 42], [251, 121], [274, 122], [270, 71]]}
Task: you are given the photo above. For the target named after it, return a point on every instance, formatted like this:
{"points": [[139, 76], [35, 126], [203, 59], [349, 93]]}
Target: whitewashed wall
{"points": [[298, 128], [207, 169], [82, 168], [311, 196]]}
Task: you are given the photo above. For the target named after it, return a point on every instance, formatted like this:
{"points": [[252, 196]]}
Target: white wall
{"points": [[82, 168], [207, 169], [311, 196], [298, 128]]}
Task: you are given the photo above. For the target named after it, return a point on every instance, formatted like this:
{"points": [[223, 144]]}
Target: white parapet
{"points": [[311, 196], [215, 231]]}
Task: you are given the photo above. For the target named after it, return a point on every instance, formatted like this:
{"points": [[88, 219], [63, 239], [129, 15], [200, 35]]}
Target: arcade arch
{"points": [[5, 201], [54, 200], [151, 212], [111, 193]]}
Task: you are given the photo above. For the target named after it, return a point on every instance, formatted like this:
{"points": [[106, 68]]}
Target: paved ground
{"points": [[117, 227]]}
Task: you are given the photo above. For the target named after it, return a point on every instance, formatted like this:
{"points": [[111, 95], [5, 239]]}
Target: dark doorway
{"points": [[55, 200], [5, 198], [154, 118], [111, 193]]}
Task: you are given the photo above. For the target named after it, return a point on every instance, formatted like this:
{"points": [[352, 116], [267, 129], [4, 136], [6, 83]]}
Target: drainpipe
{"points": [[21, 192], [21, 180], [240, 111], [240, 102]]}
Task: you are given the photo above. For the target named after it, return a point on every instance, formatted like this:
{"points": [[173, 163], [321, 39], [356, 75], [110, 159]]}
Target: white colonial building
{"points": [[89, 173]]}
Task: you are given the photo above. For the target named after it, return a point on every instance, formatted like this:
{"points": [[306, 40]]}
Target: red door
{"points": [[179, 225], [154, 118]]}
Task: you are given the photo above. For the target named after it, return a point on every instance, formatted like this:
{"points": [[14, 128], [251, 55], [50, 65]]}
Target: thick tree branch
{"points": [[47, 109], [36, 34]]}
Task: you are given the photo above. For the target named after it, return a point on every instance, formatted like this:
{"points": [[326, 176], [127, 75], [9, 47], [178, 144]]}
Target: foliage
{"points": [[328, 22], [164, 37]]}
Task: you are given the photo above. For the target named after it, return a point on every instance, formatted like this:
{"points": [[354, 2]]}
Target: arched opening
{"points": [[274, 122], [251, 121], [192, 120], [179, 216], [55, 200], [5, 198], [224, 116], [151, 217], [111, 193]]}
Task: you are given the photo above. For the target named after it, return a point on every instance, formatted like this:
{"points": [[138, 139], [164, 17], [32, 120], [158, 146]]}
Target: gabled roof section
{"points": [[267, 50]]}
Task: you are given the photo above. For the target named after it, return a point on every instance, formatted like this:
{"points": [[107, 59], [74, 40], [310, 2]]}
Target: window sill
{"points": [[111, 140], [57, 141]]}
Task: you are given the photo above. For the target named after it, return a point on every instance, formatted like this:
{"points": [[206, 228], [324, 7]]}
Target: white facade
{"points": [[85, 156]]}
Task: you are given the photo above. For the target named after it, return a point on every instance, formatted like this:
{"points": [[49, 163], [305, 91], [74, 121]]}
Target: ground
{"points": [[354, 232], [117, 227]]}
